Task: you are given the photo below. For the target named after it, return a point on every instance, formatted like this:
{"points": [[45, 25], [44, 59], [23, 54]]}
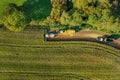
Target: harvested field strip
{"points": [[24, 58], [72, 44]]}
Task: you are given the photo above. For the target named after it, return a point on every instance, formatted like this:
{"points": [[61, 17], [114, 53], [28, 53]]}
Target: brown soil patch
{"points": [[81, 35], [84, 35], [117, 41]]}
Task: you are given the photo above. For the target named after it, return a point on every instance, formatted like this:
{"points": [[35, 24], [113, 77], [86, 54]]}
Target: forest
{"points": [[100, 15]]}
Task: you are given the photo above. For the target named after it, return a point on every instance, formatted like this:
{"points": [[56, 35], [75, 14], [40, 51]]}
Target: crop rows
{"points": [[72, 60]]}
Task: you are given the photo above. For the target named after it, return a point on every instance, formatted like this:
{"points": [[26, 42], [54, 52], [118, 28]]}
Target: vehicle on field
{"points": [[105, 39]]}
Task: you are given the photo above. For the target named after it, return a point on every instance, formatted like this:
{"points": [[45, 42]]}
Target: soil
{"points": [[85, 35], [81, 35]]}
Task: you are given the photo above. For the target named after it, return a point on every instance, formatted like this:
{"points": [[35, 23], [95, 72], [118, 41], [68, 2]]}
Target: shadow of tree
{"points": [[116, 36], [115, 9], [37, 9]]}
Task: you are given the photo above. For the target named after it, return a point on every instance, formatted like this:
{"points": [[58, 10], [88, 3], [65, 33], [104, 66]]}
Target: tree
{"points": [[14, 19], [10, 8], [71, 19], [58, 6], [98, 15]]}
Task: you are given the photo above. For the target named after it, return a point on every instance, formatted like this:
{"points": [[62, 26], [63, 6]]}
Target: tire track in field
{"points": [[86, 45], [104, 51], [103, 48], [72, 76], [99, 47], [28, 46]]}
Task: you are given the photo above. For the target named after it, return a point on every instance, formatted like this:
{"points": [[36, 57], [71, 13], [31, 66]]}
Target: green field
{"points": [[25, 56], [34, 9]]}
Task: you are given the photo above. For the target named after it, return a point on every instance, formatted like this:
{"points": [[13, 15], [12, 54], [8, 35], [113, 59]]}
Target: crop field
{"points": [[25, 56]]}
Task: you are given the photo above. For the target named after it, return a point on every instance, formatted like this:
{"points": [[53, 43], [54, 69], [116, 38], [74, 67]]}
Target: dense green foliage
{"points": [[93, 14], [4, 3], [37, 9], [34, 10], [14, 18], [24, 56], [101, 15]]}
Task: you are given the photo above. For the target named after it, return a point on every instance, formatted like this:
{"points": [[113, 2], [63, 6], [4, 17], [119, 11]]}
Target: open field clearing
{"points": [[25, 56]]}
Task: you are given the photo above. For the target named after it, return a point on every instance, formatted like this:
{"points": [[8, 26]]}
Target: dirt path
{"points": [[81, 35], [84, 35], [117, 41]]}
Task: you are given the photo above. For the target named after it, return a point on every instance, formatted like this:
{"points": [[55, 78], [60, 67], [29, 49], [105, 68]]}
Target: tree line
{"points": [[101, 15]]}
